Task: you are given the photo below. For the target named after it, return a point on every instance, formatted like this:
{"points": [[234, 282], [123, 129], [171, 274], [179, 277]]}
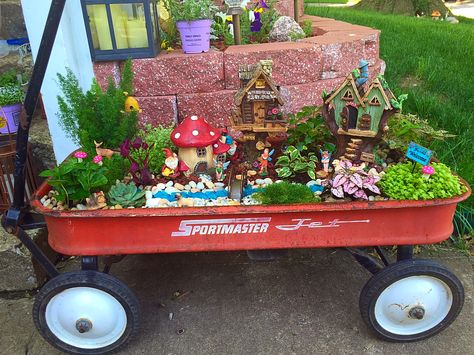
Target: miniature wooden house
{"points": [[258, 102], [358, 118]]}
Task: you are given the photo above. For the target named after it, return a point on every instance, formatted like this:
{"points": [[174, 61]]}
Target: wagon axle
{"points": [[83, 325], [417, 312]]}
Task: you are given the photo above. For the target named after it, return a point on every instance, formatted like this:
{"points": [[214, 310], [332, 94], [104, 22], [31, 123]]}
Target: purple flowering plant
{"points": [[138, 153]]}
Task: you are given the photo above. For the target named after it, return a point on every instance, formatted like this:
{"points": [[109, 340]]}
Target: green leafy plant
{"points": [[293, 163], [116, 168], [404, 129], [76, 178], [11, 95], [189, 10], [285, 193], [308, 28], [159, 138], [97, 115], [307, 129], [10, 77], [220, 29], [126, 195], [401, 182]]}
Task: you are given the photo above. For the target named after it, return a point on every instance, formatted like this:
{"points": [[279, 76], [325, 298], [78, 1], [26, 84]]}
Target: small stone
{"points": [[194, 191], [268, 181], [171, 190], [169, 183], [43, 199], [148, 195], [451, 19], [251, 173], [47, 202], [371, 198], [209, 184], [278, 181], [154, 189], [260, 181], [192, 184], [81, 207], [318, 193], [148, 188], [118, 207], [285, 29], [200, 186], [161, 186], [50, 194], [187, 187], [219, 186], [238, 177], [179, 186]]}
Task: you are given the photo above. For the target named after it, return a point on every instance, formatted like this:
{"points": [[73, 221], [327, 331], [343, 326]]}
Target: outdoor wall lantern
{"points": [[121, 29]]}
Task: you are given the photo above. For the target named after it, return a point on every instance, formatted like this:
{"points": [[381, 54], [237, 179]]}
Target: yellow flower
{"points": [[228, 18], [258, 10]]}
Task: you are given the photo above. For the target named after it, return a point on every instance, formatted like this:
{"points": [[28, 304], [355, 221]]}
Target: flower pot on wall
{"points": [[195, 35], [9, 118]]}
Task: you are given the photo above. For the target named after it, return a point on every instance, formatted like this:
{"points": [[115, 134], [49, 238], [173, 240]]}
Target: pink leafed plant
{"points": [[352, 181]]}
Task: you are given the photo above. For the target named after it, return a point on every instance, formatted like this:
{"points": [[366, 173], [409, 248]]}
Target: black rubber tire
{"points": [[93, 279], [400, 270]]}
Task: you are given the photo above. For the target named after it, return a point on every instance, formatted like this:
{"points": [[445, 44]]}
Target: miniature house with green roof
{"points": [[357, 117]]}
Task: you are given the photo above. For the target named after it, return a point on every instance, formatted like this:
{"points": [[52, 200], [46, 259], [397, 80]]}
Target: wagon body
{"points": [[168, 230]]}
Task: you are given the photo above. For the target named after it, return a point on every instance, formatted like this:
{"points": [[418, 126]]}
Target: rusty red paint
{"points": [[168, 230]]}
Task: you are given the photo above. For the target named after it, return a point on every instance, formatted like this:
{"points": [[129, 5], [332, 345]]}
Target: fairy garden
{"points": [[357, 146]]}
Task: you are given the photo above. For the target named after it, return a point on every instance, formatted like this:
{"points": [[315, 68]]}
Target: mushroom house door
{"points": [[259, 111]]}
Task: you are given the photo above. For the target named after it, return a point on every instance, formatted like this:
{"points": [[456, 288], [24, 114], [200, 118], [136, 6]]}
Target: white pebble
{"points": [[192, 184], [148, 195], [209, 184], [179, 186], [169, 183], [171, 190], [268, 181], [161, 186], [259, 181], [200, 186], [187, 187]]}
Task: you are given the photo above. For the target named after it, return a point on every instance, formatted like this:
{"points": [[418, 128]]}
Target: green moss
{"points": [[401, 183], [286, 193]]}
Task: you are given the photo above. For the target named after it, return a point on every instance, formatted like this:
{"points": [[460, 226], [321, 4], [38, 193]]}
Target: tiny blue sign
{"points": [[419, 154]]}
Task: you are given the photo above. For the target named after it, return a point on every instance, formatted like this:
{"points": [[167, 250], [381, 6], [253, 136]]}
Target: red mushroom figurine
{"points": [[427, 171], [194, 138]]}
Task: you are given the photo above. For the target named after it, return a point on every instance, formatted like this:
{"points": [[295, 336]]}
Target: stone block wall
{"points": [[174, 85]]}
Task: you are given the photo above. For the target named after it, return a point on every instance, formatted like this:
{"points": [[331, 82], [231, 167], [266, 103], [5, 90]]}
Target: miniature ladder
{"points": [[353, 148]]}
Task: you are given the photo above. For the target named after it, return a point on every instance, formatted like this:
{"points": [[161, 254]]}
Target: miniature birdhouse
{"points": [[358, 118], [198, 144], [258, 102]]}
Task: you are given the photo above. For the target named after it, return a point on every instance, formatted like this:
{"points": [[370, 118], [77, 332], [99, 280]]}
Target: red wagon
{"points": [[89, 311]]}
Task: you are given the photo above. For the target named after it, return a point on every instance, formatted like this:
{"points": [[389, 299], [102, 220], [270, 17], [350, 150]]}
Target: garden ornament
{"points": [[170, 168], [427, 171], [131, 105], [103, 151]]}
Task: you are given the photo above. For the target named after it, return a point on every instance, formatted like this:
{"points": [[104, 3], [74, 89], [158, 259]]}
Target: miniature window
{"points": [[260, 84], [348, 95], [221, 158], [375, 101], [201, 152]]}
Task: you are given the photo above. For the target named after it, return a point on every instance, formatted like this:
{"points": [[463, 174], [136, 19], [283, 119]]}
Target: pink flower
{"points": [[275, 111], [97, 159]]}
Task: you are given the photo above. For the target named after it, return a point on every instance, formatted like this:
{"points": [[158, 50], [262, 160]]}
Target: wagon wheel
{"points": [[411, 300], [86, 312]]}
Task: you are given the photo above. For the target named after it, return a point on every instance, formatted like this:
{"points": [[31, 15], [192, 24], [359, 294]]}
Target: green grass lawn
{"points": [[433, 62], [325, 1]]}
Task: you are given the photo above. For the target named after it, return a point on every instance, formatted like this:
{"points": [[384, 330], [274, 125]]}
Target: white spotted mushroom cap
{"points": [[194, 132]]}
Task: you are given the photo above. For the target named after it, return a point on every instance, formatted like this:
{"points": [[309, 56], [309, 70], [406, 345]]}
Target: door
{"points": [[259, 112]]}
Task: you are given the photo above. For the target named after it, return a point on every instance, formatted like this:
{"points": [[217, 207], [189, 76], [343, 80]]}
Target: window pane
{"points": [[129, 25], [99, 26]]}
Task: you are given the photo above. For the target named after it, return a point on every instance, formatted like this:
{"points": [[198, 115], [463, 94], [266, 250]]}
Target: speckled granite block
{"points": [[158, 110]]}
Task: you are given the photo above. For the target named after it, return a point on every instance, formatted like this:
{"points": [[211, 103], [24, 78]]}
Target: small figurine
{"points": [[103, 151], [363, 74], [220, 170], [96, 201], [131, 104], [325, 159], [227, 139], [264, 159], [170, 169], [184, 202]]}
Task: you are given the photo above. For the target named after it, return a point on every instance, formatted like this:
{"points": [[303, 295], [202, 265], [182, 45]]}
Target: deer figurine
{"points": [[103, 151]]}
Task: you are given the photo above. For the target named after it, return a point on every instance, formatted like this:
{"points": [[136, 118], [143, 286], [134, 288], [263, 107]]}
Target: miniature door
{"points": [[259, 112]]}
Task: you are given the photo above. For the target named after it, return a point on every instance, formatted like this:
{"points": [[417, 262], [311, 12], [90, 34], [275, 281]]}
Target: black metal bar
{"points": [[404, 252], [37, 253], [382, 256], [47, 41], [90, 263], [365, 260]]}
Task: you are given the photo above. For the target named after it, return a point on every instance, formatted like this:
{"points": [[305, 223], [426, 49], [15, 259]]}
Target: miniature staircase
{"points": [[353, 148]]}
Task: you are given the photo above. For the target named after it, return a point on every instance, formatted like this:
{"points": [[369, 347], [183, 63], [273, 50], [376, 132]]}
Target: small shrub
{"points": [[285, 193], [11, 95], [159, 138], [308, 28], [400, 183], [293, 163]]}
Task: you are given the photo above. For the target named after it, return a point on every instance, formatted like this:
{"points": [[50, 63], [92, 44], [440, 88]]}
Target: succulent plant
{"points": [[126, 195]]}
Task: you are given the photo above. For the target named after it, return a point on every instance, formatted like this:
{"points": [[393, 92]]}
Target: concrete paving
{"points": [[305, 303]]}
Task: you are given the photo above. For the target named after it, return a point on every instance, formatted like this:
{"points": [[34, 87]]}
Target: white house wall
{"points": [[70, 50]]}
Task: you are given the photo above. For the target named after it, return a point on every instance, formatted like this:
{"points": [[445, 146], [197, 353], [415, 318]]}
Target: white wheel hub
{"points": [[413, 305], [86, 317]]}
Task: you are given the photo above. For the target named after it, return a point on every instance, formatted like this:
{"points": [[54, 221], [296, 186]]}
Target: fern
{"points": [[96, 114]]}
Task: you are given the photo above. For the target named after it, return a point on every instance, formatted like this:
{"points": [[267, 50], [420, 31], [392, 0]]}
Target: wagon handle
{"points": [[12, 217]]}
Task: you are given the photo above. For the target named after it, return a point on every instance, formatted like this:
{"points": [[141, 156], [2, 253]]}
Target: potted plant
{"points": [[193, 20], [11, 97]]}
